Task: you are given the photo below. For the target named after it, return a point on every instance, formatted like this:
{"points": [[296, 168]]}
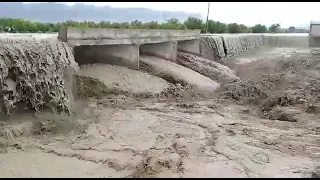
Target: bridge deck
{"points": [[100, 36]]}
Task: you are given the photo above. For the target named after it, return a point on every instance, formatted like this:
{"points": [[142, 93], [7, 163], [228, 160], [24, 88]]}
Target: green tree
{"points": [[215, 27], [125, 25], [118, 25], [193, 23], [212, 27], [172, 23], [274, 28], [22, 26], [104, 24], [234, 28], [152, 25], [136, 24], [258, 28], [222, 28], [244, 28]]}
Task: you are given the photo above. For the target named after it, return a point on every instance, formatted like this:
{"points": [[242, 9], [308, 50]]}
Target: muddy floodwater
{"points": [[262, 121]]}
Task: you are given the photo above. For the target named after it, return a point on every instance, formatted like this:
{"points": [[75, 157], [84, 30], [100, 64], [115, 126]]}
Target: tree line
{"points": [[214, 27]]}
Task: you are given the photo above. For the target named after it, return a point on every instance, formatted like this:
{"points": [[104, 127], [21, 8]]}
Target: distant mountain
{"points": [[57, 12]]}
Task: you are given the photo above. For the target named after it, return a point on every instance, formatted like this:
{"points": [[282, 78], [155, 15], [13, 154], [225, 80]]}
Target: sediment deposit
{"points": [[121, 79]]}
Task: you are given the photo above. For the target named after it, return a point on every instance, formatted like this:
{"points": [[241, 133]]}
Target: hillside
{"points": [[57, 12]]}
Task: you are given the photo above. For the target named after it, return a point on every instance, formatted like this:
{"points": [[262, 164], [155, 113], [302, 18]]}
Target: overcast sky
{"points": [[248, 13]]}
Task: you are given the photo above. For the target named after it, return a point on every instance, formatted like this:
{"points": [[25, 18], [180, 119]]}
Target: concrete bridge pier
{"points": [[165, 50], [190, 46], [120, 54]]}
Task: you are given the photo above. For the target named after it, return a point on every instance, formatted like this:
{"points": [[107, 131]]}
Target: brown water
{"points": [[33, 74], [263, 125]]}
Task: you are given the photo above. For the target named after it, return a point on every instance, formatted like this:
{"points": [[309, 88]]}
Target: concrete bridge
{"points": [[124, 46]]}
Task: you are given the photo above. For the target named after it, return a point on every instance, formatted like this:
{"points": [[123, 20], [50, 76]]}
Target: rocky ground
{"points": [[263, 121]]}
